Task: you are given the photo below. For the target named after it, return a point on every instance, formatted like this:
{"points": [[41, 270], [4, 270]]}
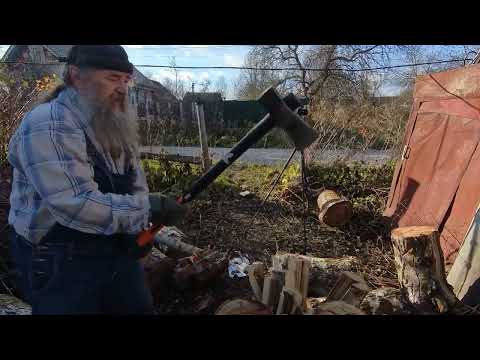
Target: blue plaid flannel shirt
{"points": [[53, 179]]}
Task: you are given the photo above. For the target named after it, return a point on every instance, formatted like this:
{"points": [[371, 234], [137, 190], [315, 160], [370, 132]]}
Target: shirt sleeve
{"points": [[55, 160]]}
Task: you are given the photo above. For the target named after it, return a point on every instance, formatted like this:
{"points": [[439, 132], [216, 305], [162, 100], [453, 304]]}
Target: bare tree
{"points": [[221, 86], [205, 85]]}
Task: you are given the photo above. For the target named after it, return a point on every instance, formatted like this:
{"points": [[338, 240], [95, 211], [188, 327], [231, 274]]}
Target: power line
{"points": [[264, 69]]}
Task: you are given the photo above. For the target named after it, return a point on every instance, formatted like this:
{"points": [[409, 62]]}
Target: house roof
{"points": [[62, 51]]}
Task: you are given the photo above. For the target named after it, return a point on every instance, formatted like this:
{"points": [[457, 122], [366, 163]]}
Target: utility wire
{"points": [[264, 69]]}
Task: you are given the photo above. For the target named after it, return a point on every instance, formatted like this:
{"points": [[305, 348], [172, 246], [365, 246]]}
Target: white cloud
{"points": [[231, 60]]}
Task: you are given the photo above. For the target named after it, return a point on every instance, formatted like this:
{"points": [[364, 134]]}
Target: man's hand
{"points": [[165, 210]]}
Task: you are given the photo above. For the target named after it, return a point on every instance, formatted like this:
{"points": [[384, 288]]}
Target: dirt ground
{"points": [[224, 220]]}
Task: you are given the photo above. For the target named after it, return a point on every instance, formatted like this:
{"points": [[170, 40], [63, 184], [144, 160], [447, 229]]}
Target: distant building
{"points": [[213, 108], [149, 99]]}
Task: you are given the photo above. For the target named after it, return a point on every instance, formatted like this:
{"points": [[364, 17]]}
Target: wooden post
{"points": [[420, 268], [203, 136]]}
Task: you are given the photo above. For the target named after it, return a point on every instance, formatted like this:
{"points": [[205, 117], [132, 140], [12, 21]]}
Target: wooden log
{"points": [[199, 272], [350, 288], [10, 305], [385, 301], [256, 276], [323, 272], [159, 270], [242, 307], [296, 277], [171, 239], [291, 302], [272, 288], [333, 209], [420, 269]]}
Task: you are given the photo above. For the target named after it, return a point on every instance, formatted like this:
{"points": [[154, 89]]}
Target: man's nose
{"points": [[122, 89]]}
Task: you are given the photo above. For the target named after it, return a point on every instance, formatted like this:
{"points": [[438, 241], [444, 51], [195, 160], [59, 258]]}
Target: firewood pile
{"points": [[288, 287], [304, 285]]}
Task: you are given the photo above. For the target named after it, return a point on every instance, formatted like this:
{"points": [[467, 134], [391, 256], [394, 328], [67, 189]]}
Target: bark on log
{"points": [[198, 272], [385, 301], [171, 240], [333, 209], [420, 269]]}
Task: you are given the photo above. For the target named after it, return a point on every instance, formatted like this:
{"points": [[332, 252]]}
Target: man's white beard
{"points": [[116, 132]]}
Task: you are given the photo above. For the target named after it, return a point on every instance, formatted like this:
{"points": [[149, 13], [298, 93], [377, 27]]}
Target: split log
{"points": [[297, 271], [256, 276], [296, 277], [291, 302], [420, 269], [333, 209], [171, 240], [323, 272], [350, 288], [10, 305], [385, 301], [272, 288], [242, 307]]}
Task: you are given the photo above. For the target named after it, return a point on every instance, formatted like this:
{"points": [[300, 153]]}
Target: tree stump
{"points": [[333, 209], [420, 269]]}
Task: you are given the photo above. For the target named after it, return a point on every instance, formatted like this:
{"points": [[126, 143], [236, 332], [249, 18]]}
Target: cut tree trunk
{"points": [[333, 209], [420, 269]]}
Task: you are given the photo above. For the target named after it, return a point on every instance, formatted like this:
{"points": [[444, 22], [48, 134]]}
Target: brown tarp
{"points": [[437, 180]]}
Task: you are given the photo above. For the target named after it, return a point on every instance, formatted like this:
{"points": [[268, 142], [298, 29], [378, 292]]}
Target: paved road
{"points": [[268, 156]]}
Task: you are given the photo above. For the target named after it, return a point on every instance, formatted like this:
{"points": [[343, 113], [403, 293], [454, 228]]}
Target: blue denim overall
{"points": [[71, 272]]}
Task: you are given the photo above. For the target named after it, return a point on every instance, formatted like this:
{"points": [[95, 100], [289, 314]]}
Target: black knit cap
{"points": [[109, 57]]}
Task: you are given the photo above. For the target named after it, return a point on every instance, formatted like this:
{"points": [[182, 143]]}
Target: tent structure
{"points": [[437, 180]]}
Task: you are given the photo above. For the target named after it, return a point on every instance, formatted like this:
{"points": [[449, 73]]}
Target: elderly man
{"points": [[79, 196]]}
